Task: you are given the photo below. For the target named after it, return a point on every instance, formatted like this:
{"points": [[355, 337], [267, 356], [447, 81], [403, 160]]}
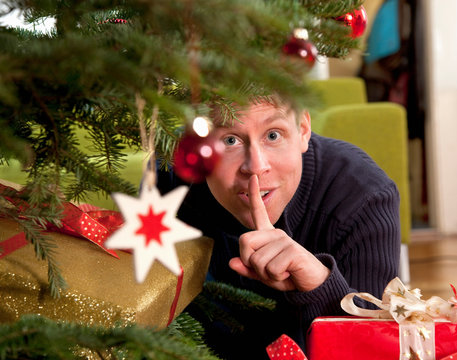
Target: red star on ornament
{"points": [[152, 226]]}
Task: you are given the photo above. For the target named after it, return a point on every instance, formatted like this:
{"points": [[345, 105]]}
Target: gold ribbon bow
{"points": [[401, 304], [414, 316]]}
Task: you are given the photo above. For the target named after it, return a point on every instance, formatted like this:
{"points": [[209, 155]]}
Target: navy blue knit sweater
{"points": [[345, 211]]}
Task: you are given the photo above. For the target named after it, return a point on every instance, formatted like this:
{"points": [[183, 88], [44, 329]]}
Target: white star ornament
{"points": [[151, 229]]}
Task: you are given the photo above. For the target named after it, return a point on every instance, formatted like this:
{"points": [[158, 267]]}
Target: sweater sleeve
{"points": [[365, 256]]}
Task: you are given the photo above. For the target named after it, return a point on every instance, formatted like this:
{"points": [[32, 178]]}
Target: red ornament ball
{"points": [[299, 46], [356, 20], [196, 157]]}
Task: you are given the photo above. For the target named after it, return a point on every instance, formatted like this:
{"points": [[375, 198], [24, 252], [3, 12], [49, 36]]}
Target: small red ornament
{"points": [[356, 20], [299, 46], [196, 157]]}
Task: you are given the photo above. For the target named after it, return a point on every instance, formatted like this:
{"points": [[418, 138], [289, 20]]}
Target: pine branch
{"points": [[40, 338], [33, 216], [243, 299], [211, 312], [331, 8], [225, 304], [45, 250], [186, 327]]}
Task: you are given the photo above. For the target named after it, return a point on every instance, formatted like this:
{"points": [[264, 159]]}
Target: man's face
{"points": [[266, 142]]}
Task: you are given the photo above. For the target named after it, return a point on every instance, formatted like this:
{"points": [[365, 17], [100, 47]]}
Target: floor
{"points": [[433, 263]]}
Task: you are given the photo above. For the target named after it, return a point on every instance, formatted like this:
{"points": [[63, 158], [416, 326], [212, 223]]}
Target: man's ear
{"points": [[305, 130]]}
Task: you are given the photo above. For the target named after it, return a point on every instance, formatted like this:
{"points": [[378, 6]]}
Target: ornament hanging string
{"points": [[149, 171], [147, 138]]}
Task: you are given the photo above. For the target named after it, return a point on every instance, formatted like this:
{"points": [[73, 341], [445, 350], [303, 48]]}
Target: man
{"points": [[295, 217]]}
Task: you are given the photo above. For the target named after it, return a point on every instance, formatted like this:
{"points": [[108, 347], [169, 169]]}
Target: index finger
{"points": [[258, 211]]}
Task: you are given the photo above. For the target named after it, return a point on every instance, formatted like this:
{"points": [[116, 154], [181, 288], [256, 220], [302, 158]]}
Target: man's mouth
{"points": [[262, 193]]}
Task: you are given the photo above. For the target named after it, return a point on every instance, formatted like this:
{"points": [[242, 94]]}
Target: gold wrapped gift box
{"points": [[101, 289]]}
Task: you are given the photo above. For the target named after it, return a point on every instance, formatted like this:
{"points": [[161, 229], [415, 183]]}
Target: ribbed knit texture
{"points": [[345, 211]]}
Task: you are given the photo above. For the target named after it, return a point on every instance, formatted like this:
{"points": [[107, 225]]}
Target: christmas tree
{"points": [[115, 77]]}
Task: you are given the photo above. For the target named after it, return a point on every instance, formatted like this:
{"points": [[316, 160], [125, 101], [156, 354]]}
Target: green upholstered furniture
{"points": [[378, 128], [340, 91]]}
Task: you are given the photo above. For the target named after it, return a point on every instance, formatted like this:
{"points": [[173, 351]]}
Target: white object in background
{"points": [[441, 112], [404, 273], [15, 19], [320, 70]]}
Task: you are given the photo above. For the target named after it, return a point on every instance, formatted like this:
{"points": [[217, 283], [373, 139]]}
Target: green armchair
{"points": [[378, 128], [340, 91]]}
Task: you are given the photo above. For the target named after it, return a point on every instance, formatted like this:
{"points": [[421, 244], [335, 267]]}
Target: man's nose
{"points": [[256, 161]]}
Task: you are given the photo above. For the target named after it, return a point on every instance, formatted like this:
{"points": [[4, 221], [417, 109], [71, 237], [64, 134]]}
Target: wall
{"points": [[441, 122]]}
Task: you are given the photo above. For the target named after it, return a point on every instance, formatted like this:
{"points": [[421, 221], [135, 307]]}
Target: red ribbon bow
{"points": [[284, 348], [94, 224]]}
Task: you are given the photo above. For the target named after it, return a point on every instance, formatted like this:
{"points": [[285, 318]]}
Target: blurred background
{"points": [[410, 58]]}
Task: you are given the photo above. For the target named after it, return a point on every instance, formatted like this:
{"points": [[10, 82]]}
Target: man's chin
{"points": [[247, 223]]}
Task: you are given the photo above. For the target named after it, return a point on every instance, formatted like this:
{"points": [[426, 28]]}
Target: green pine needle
{"points": [[36, 337], [244, 299]]}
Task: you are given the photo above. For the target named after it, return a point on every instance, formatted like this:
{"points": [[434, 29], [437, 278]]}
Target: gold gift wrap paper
{"points": [[101, 289]]}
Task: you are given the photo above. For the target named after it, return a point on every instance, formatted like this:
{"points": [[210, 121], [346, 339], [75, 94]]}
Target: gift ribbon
{"points": [[401, 304], [284, 348], [176, 298], [12, 244], [95, 225], [450, 357], [414, 316]]}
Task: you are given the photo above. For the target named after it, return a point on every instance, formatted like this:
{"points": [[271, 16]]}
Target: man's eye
{"points": [[273, 135], [230, 140]]}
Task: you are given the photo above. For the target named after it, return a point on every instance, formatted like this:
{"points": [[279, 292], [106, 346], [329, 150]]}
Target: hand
{"points": [[271, 256]]}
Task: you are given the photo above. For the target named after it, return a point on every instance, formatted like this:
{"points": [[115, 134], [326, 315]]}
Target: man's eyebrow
{"points": [[276, 116]]}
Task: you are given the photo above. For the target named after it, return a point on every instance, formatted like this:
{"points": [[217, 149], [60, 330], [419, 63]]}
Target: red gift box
{"points": [[375, 339], [403, 327]]}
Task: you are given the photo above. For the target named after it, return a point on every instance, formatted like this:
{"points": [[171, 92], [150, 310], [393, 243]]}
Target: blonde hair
{"points": [[224, 114]]}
